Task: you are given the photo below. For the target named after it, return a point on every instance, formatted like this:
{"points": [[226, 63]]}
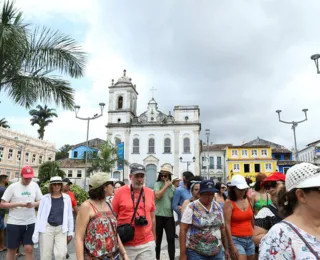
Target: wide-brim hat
{"points": [[239, 182], [166, 169], [56, 179], [176, 179]]}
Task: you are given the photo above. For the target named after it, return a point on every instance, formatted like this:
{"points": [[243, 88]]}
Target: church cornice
{"points": [[115, 125], [123, 87]]}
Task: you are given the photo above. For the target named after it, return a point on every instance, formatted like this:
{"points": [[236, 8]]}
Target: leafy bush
{"points": [[44, 187], [79, 193]]}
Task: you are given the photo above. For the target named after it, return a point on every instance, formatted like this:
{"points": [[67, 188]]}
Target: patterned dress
{"points": [[204, 233], [282, 242], [101, 235]]}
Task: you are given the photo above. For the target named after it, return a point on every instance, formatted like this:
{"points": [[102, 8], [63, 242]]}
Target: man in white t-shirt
{"points": [[21, 198]]}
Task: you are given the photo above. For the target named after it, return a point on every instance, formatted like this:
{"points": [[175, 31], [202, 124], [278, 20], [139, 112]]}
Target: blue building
{"points": [[78, 151]]}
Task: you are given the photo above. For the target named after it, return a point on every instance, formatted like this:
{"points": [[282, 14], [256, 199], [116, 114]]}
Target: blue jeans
{"points": [[193, 255], [244, 245]]}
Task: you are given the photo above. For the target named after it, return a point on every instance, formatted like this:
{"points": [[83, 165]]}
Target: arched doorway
{"points": [[116, 175], [151, 175]]}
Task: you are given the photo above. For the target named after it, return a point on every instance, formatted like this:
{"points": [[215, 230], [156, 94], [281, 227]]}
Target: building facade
{"points": [[18, 150], [152, 138], [213, 162], [311, 153], [249, 160]]}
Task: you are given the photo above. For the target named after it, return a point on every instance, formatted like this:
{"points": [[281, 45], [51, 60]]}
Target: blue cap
{"points": [[207, 186]]}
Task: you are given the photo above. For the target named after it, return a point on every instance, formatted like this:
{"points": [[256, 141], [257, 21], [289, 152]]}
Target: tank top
{"points": [[241, 221], [101, 237]]}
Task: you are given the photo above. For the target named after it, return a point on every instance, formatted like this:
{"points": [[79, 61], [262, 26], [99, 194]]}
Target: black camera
{"points": [[141, 221]]}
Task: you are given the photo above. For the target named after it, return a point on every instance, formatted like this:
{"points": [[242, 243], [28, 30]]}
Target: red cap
{"points": [[276, 176], [27, 172]]}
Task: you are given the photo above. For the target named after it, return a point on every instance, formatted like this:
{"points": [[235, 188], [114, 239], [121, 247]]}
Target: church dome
{"points": [[124, 80], [152, 101]]}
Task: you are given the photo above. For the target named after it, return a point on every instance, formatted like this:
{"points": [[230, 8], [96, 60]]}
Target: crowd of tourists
{"points": [[278, 217]]}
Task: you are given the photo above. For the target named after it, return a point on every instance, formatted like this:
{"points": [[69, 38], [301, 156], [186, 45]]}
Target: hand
{"points": [[69, 238], [179, 208], [167, 183], [234, 252], [226, 255], [22, 204], [29, 205]]}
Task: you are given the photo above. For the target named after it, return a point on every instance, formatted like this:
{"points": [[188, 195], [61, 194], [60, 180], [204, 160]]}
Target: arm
{"points": [[75, 210], [227, 212], [9, 205], [159, 193], [81, 225], [184, 205], [224, 241], [153, 219], [258, 234], [182, 238], [35, 236], [122, 250], [175, 201], [70, 219]]}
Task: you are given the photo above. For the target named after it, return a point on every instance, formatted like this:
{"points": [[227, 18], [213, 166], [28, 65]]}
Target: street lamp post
{"points": [[315, 58], [76, 109], [208, 154], [294, 125], [188, 162]]}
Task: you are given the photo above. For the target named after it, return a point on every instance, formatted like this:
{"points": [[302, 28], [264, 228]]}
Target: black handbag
{"points": [[126, 231]]}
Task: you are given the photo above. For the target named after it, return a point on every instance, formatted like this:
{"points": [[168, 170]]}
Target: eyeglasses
{"points": [[164, 176]]}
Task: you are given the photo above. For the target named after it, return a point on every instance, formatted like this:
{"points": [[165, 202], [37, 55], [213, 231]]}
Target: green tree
{"points": [[104, 160], [42, 117], [4, 123], [48, 170], [63, 152], [30, 56]]}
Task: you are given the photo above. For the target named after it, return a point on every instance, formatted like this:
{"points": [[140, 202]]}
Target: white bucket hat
{"points": [[303, 175], [238, 181]]}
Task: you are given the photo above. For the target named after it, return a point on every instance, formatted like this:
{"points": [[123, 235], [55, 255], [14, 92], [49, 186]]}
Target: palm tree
{"points": [[105, 160], [28, 58], [48, 170], [4, 123], [42, 117]]}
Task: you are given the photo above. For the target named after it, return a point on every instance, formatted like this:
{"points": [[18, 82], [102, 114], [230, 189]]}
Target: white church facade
{"points": [[152, 138]]}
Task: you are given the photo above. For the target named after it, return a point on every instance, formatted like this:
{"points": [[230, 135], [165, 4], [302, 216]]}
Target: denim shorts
{"points": [[244, 245], [193, 255]]}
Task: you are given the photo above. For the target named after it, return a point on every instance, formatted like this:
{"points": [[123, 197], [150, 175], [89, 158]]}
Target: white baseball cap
{"points": [[238, 181], [303, 175]]}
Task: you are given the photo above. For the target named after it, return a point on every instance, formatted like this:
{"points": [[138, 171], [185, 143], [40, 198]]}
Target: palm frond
{"points": [[26, 90], [52, 50]]}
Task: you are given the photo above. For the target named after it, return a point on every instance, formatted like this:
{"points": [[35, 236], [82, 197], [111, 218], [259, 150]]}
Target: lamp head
{"points": [[305, 110], [315, 57], [207, 132], [76, 109], [193, 159], [278, 111], [180, 159], [102, 107]]}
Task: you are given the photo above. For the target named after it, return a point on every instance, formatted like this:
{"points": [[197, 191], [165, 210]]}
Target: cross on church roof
{"points": [[153, 89]]}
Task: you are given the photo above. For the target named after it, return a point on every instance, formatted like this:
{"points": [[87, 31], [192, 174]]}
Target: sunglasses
{"points": [[270, 185], [223, 188], [164, 176], [56, 184]]}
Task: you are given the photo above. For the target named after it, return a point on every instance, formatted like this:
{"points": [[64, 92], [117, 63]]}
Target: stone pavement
{"points": [[72, 250]]}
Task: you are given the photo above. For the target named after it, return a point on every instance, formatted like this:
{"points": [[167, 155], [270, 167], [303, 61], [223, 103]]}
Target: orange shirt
{"points": [[73, 199], [123, 206], [241, 221]]}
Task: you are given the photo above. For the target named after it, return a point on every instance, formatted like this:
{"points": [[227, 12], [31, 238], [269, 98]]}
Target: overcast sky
{"points": [[238, 60]]}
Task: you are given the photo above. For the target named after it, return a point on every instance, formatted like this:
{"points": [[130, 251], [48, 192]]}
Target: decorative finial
{"points": [[124, 73], [130, 79], [112, 82], [134, 85]]}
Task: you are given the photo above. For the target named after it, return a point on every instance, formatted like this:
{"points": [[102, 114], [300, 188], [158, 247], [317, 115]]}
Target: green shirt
{"points": [[164, 205]]}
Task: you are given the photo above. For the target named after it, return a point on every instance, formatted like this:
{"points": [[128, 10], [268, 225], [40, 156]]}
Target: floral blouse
{"points": [[282, 242]]}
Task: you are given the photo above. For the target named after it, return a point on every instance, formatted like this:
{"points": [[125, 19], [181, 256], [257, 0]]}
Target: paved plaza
{"points": [[72, 251]]}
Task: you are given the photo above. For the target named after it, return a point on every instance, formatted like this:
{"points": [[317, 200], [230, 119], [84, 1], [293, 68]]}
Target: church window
{"points": [[135, 145], [151, 145], [167, 145], [120, 102], [186, 145]]}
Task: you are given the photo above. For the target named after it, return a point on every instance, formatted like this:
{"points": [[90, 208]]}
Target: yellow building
{"points": [[249, 160]]}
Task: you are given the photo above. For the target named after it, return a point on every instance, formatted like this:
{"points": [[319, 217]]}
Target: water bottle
{"points": [[35, 245]]}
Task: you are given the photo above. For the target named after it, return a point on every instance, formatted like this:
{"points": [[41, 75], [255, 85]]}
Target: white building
{"points": [[213, 161], [152, 138], [18, 150], [311, 153]]}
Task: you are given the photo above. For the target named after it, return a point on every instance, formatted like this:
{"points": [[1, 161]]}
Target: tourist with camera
{"points": [[135, 209]]}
